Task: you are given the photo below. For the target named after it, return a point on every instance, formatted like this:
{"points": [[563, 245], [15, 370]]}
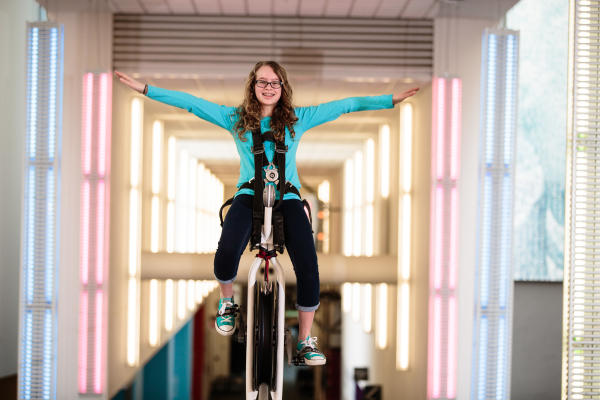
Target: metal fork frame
{"points": [[267, 243]]}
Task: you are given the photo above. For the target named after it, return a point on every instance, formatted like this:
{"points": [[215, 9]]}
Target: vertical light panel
{"points": [[154, 314], [369, 188], [348, 207], [445, 152], [171, 184], [384, 161], [41, 198], [324, 194], [367, 307], [169, 305], [381, 316], [94, 228], [157, 168], [581, 342], [357, 211], [135, 229], [404, 237], [492, 325]]}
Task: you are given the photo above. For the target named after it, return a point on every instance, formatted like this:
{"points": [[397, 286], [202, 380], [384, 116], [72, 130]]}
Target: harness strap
{"points": [[288, 187]]}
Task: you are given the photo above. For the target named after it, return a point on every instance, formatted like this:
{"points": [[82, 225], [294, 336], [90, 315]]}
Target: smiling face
{"points": [[267, 96]]}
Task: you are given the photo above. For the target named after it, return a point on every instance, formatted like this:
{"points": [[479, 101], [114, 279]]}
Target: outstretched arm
{"points": [[316, 115], [132, 83], [398, 97], [211, 112]]}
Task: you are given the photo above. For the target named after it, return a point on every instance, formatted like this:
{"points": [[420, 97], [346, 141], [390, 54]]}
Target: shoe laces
{"points": [[227, 311], [310, 342]]}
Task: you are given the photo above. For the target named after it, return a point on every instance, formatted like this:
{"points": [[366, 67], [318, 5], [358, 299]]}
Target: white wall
{"points": [[13, 17], [457, 50]]}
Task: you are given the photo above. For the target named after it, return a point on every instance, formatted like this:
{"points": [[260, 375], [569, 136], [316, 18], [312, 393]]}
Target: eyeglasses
{"points": [[263, 84]]}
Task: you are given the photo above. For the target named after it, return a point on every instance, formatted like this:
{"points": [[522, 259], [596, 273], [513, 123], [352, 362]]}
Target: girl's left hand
{"points": [[397, 98]]}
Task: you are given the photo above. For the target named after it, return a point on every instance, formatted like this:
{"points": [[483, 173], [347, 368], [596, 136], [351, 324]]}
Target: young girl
{"points": [[268, 106]]}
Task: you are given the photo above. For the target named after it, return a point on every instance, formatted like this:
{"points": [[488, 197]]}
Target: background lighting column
{"points": [[492, 335], [404, 238], [38, 328], [135, 233], [446, 120], [95, 212], [581, 342]]}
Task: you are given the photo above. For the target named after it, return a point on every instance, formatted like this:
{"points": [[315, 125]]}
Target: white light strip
{"points": [[357, 223], [404, 238], [493, 294], [356, 304], [348, 206], [133, 322], [135, 230], [157, 150], [367, 304], [38, 329], [153, 317], [181, 299], [384, 160], [381, 316], [346, 297], [169, 305]]}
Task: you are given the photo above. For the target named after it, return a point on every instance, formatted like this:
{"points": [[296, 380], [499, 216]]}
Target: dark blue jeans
{"points": [[298, 242]]}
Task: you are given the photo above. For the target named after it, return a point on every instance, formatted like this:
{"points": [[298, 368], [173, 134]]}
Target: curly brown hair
{"points": [[249, 112]]}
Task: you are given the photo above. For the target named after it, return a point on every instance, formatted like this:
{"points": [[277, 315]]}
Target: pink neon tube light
{"points": [[103, 124], [83, 344], [437, 346], [455, 129], [439, 239], [446, 127], [453, 238], [98, 343], [100, 233], [85, 231], [88, 85], [441, 125], [451, 380]]}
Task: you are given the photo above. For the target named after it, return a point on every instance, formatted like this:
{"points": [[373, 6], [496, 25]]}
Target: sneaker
{"points": [[225, 321], [308, 353]]}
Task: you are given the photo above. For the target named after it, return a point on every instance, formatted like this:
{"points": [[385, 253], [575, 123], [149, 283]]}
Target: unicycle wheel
{"points": [[264, 346]]}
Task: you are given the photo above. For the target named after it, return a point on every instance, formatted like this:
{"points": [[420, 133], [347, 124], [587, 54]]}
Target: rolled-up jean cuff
{"points": [[302, 308], [224, 282]]}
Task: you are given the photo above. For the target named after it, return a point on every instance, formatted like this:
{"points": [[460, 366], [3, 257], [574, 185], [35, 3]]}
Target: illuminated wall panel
{"points": [[581, 342], [446, 120], [40, 230], [94, 229], [404, 237], [135, 233], [494, 284]]}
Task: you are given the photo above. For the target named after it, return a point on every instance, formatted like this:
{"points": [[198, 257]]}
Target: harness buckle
{"points": [[260, 149]]}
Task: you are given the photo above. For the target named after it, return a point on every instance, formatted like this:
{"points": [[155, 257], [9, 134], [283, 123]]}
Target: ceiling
{"points": [[299, 8]]}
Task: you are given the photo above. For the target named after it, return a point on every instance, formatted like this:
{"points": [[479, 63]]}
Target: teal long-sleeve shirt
{"points": [[308, 117]]}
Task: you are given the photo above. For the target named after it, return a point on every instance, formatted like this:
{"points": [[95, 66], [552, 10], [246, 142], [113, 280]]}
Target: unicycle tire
{"points": [[264, 346]]}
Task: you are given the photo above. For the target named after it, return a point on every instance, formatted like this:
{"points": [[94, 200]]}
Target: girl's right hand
{"points": [[129, 81]]}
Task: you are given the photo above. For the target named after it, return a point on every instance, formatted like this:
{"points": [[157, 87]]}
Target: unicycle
{"points": [[265, 323]]}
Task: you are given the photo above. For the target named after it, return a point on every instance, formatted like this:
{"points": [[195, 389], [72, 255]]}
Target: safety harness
{"points": [[274, 173]]}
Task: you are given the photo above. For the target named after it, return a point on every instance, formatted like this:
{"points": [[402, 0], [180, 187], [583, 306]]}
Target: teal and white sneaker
{"points": [[225, 321], [308, 353]]}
